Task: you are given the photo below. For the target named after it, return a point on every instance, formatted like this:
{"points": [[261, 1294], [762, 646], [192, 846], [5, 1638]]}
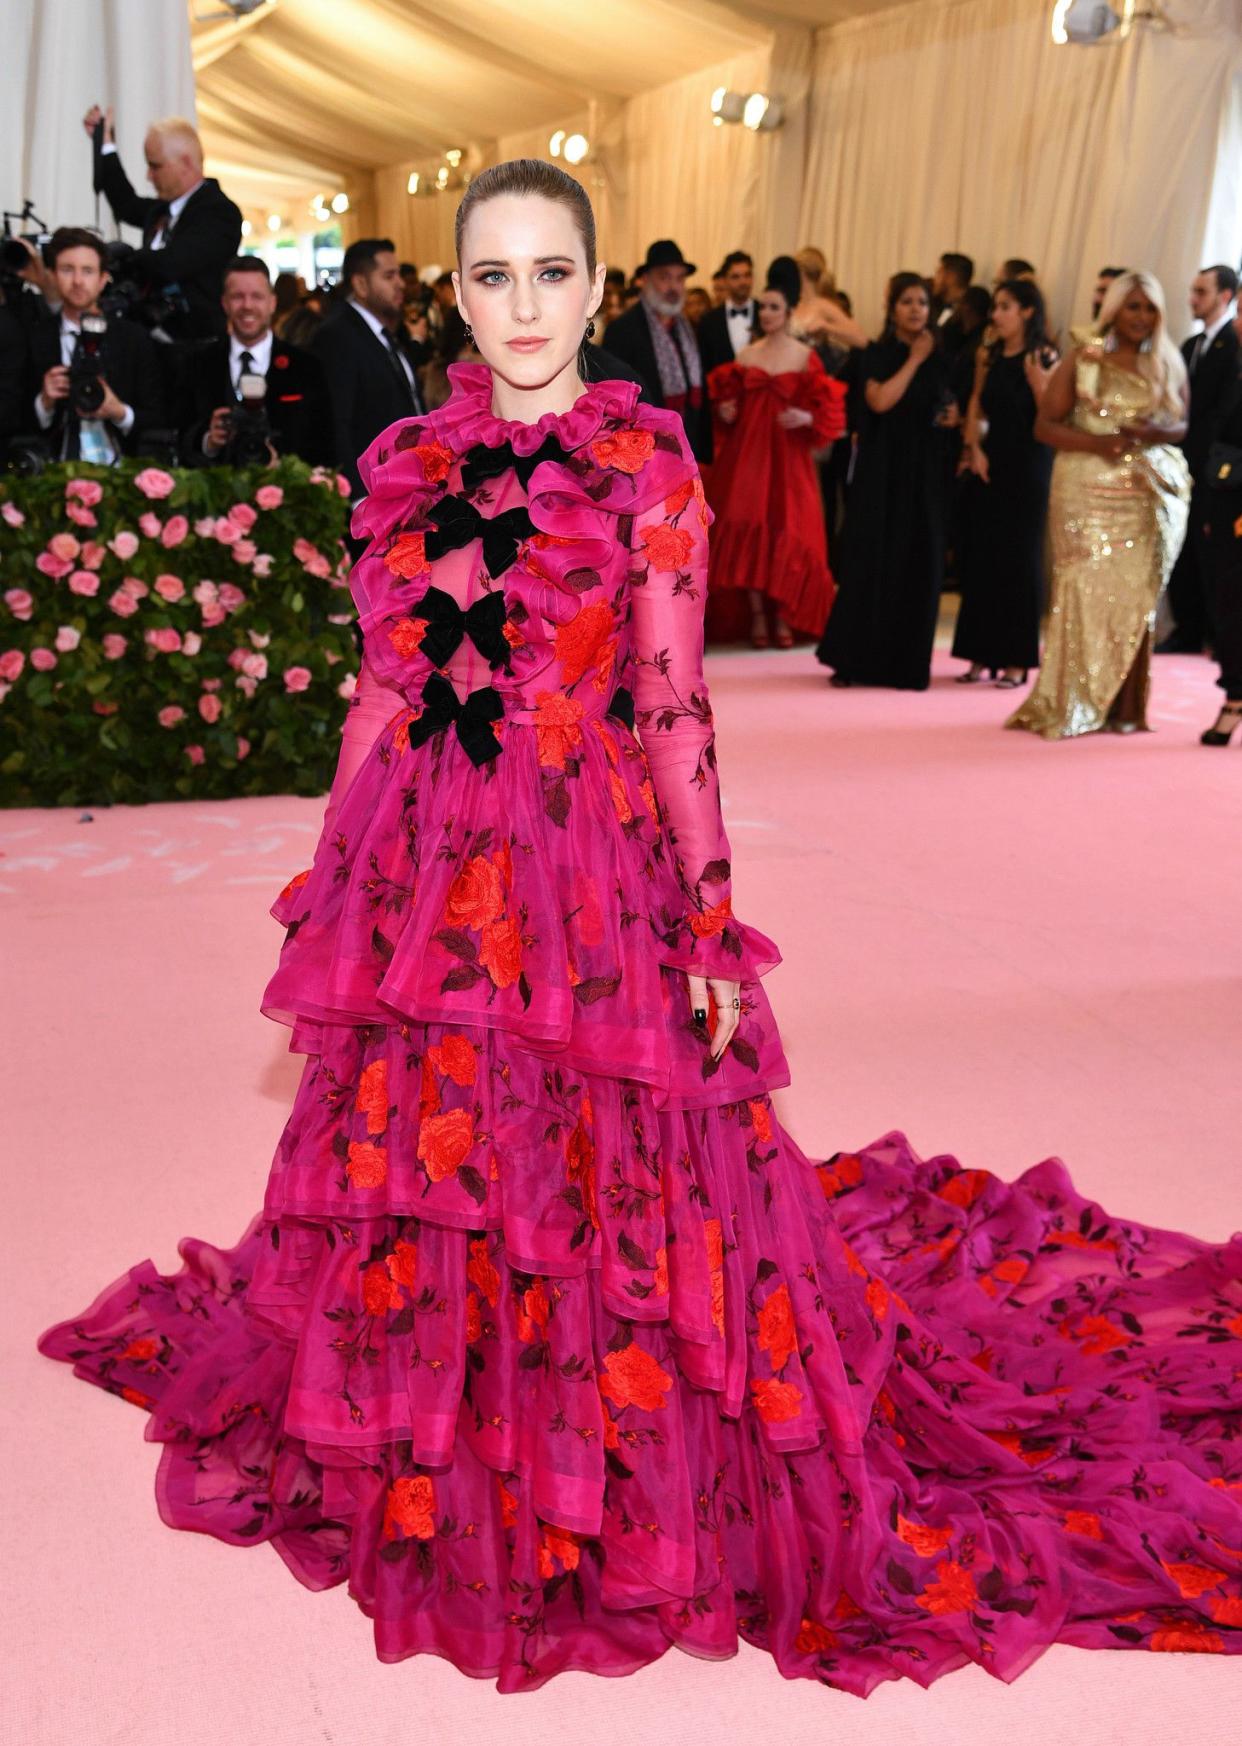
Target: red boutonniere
{"points": [[279, 362]]}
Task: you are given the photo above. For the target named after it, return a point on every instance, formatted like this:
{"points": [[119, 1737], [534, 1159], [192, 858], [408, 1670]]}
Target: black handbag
{"points": [[1224, 467]]}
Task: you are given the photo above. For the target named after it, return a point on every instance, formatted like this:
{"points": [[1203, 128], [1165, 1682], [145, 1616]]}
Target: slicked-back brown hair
{"points": [[530, 176]]}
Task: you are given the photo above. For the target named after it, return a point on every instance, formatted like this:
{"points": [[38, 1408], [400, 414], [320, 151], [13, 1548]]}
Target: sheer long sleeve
{"points": [[371, 707], [674, 719]]}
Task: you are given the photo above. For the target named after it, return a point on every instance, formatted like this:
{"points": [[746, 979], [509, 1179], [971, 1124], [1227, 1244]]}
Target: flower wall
{"points": [[172, 634]]}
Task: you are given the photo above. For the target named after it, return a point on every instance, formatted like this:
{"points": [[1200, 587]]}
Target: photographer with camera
{"points": [[98, 380], [190, 230], [253, 395]]}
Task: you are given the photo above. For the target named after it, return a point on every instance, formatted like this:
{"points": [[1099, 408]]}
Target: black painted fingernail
{"points": [[700, 1013]]}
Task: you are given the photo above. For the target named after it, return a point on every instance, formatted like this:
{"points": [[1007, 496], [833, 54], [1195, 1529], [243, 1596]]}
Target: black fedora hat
{"points": [[665, 254]]}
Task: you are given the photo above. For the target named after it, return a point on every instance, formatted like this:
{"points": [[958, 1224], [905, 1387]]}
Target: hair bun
{"points": [[784, 276]]}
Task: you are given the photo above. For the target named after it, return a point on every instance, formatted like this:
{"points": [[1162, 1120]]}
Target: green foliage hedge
{"points": [[171, 634]]}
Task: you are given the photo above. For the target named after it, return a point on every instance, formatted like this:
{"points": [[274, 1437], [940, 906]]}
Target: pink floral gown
{"points": [[548, 1341]]}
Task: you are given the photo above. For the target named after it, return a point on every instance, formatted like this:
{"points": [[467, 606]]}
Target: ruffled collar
{"points": [[467, 418]]}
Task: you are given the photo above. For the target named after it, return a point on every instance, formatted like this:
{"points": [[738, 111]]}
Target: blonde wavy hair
{"points": [[1163, 364]]}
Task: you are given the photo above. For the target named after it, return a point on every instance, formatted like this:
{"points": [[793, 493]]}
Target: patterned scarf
{"points": [[677, 359]]}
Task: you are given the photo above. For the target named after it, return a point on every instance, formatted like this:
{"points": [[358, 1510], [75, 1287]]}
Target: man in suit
{"points": [[728, 327], [190, 229], [299, 411], [131, 402], [12, 378], [1212, 362], [657, 342], [369, 362]]}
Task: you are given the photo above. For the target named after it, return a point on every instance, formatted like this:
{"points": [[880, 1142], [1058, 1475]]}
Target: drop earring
{"points": [[590, 330], [469, 334]]}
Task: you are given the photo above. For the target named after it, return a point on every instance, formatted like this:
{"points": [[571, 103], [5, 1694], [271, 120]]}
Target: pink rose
{"points": [[19, 602], [258, 639], [246, 684], [212, 615], [85, 490], [230, 597], [175, 530], [318, 566], [82, 517], [255, 666], [243, 746], [150, 526], [342, 485], [136, 586], [226, 531], [262, 565], [154, 482], [13, 515], [304, 551], [114, 646], [42, 660], [48, 565], [64, 545], [347, 687], [269, 497], [243, 515], [92, 554], [238, 659], [244, 552], [123, 603], [340, 618], [211, 684], [205, 526], [67, 637], [191, 643], [209, 706], [84, 582], [164, 639], [124, 544], [167, 587], [195, 754], [206, 593], [170, 715], [11, 663], [331, 657], [297, 678]]}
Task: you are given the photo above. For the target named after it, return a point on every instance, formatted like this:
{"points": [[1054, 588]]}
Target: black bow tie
{"points": [[455, 522], [447, 625], [473, 718], [482, 463]]}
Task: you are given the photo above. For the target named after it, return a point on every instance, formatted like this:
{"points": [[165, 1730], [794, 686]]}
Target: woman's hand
{"points": [[726, 411], [1114, 445], [795, 418], [977, 462], [1038, 374], [1146, 430], [728, 999], [922, 346]]}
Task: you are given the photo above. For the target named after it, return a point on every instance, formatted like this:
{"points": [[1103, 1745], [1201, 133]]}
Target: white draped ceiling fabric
{"points": [[909, 129]]}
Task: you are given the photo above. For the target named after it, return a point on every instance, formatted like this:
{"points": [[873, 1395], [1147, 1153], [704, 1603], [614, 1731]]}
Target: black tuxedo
{"points": [[1213, 390], [715, 345], [130, 368], [299, 410], [601, 365], [629, 338], [366, 384], [196, 249], [14, 416]]}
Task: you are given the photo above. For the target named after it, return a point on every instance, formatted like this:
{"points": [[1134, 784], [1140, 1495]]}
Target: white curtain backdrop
{"points": [[960, 125], [60, 56]]}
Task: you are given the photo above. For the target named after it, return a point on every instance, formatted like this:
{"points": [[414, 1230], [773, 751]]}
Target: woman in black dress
{"points": [[1224, 545], [1005, 501], [884, 621]]}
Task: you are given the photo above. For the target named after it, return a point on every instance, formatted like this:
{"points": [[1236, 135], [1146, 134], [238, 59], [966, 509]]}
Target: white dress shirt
{"points": [[381, 333], [89, 427], [261, 358], [740, 323]]}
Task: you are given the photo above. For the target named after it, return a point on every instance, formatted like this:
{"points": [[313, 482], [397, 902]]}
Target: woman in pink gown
{"points": [[547, 1340]]}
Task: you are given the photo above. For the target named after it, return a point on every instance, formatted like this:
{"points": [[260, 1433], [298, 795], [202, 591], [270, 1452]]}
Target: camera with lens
{"points": [[250, 433], [86, 367], [128, 295]]}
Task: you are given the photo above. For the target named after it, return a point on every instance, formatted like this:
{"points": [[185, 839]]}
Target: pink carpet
{"points": [[1007, 948]]}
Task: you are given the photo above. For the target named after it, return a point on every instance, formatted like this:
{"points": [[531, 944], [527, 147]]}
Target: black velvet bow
{"points": [[473, 718], [481, 463], [447, 625], [454, 522]]}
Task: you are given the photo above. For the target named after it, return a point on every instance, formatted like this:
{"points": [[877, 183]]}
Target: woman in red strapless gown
{"points": [[774, 406]]}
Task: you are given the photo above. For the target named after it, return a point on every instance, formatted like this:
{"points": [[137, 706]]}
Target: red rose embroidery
{"points": [[626, 451], [632, 1377], [445, 1142], [407, 556], [406, 637], [666, 548], [367, 1165], [435, 460]]}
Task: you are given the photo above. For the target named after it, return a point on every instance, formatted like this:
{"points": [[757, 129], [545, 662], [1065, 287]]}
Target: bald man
{"points": [[191, 230]]}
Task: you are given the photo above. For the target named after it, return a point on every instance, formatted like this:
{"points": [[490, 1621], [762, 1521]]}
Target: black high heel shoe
{"points": [[1007, 683], [1218, 736]]}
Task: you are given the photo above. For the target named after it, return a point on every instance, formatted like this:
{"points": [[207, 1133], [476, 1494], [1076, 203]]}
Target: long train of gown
{"points": [[548, 1341]]}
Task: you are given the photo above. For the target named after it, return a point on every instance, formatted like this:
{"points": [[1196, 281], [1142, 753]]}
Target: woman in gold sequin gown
{"points": [[1114, 410]]}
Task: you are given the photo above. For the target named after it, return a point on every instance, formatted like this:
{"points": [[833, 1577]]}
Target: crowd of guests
{"points": [[851, 476]]}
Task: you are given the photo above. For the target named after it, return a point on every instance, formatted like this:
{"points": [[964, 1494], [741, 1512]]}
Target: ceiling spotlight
{"points": [[247, 227], [1088, 21], [442, 176], [454, 156], [340, 203], [556, 142], [576, 148], [411, 186], [761, 113], [727, 105], [274, 221]]}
